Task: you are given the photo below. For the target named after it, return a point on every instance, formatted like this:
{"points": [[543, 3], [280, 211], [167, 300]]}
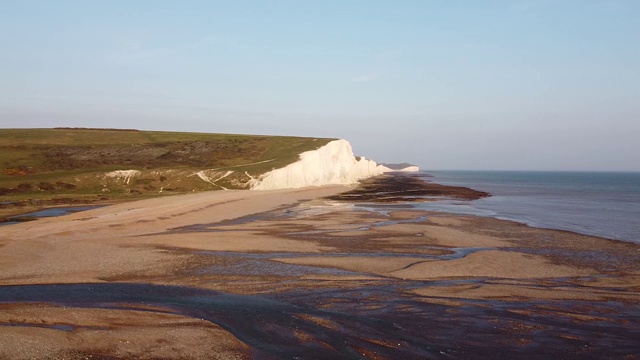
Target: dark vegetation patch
{"points": [[17, 171], [403, 187]]}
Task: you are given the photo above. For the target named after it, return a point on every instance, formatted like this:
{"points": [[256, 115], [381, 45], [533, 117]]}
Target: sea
{"points": [[603, 204]]}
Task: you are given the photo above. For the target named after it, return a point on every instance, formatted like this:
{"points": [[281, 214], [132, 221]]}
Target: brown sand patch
{"points": [[39, 331], [142, 217], [445, 236], [352, 233], [63, 250], [492, 263], [31, 262], [405, 214], [340, 278], [372, 265], [447, 220], [629, 282], [340, 220], [237, 241], [522, 292], [318, 320]]}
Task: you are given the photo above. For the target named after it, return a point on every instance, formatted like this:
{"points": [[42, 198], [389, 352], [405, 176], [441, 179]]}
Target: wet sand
{"points": [[291, 274]]}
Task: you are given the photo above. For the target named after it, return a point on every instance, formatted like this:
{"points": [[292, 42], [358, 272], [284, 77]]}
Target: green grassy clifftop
{"points": [[56, 165]]}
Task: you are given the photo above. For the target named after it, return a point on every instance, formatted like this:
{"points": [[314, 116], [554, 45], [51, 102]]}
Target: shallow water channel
{"points": [[379, 320]]}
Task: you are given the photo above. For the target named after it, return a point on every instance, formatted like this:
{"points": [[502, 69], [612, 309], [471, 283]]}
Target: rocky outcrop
{"points": [[404, 167], [333, 163]]}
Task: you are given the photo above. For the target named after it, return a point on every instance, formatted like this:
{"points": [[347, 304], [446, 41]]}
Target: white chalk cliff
{"points": [[333, 163], [402, 167], [412, 168]]}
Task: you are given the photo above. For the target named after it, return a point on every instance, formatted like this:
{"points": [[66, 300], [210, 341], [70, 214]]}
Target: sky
{"points": [[451, 84]]}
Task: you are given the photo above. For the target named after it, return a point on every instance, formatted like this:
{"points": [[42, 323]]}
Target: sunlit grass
{"points": [[46, 162]]}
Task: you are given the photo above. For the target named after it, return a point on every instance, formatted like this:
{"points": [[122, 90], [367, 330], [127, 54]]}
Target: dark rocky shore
{"points": [[405, 187]]}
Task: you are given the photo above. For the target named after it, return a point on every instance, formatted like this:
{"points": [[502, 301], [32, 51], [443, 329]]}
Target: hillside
{"points": [[68, 165]]}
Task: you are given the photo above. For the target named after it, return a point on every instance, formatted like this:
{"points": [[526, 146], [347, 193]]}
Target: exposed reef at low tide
{"points": [[403, 187]]}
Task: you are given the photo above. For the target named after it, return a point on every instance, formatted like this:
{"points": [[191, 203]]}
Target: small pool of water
{"points": [[52, 212]]}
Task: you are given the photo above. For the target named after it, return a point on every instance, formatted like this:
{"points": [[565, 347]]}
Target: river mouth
{"points": [[358, 323]]}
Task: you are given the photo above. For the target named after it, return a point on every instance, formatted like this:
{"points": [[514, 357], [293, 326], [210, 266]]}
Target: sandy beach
{"points": [[290, 273]]}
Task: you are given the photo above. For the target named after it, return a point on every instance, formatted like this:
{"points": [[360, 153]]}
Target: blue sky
{"points": [[537, 85]]}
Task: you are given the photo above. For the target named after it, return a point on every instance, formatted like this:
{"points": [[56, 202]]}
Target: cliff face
{"points": [[333, 163]]}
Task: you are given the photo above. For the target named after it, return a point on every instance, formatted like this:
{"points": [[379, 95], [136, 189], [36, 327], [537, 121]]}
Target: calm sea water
{"points": [[603, 204]]}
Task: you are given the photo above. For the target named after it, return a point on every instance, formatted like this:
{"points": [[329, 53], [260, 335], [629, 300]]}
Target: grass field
{"points": [[66, 165]]}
